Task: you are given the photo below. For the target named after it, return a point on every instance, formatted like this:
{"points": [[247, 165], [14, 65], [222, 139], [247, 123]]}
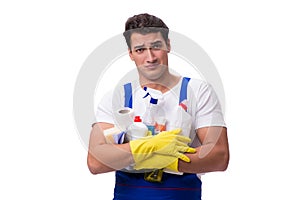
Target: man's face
{"points": [[150, 54]]}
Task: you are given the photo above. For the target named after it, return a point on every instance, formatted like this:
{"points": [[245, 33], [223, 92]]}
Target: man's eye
{"points": [[156, 46], [141, 50]]}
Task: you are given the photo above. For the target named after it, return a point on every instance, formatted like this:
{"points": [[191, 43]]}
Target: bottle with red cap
{"points": [[137, 129]]}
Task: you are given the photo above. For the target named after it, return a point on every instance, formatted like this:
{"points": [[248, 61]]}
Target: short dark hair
{"points": [[144, 24]]}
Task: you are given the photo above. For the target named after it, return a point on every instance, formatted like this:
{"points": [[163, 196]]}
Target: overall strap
{"points": [[182, 96], [128, 95], [183, 92]]}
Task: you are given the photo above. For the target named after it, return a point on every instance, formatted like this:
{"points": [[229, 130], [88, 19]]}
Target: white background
{"points": [[43, 44]]}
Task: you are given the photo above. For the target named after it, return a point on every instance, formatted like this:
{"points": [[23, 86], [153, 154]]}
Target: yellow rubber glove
{"points": [[161, 150], [173, 166], [158, 161]]}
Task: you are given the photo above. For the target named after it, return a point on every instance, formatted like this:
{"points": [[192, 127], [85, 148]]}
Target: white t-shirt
{"points": [[203, 107]]}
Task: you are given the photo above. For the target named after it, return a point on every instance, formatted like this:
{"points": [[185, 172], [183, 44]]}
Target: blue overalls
{"points": [[133, 186]]}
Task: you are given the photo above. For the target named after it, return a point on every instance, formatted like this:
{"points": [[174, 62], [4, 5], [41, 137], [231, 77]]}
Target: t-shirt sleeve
{"points": [[208, 108], [104, 110]]}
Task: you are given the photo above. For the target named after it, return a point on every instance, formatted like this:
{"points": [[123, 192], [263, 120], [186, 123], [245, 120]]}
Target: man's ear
{"points": [[130, 54], [168, 46]]}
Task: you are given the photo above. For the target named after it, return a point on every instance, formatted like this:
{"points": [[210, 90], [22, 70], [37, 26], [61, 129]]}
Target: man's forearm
{"points": [[212, 155], [202, 162], [104, 157], [109, 157]]}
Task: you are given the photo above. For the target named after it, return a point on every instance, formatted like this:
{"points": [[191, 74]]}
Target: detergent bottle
{"points": [[137, 129], [149, 116]]}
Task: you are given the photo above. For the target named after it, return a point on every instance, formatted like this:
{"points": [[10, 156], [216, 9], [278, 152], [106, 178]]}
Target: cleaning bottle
{"points": [[137, 129], [149, 116]]}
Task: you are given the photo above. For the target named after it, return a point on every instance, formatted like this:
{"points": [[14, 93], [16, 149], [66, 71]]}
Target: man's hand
{"points": [[158, 161], [161, 150]]}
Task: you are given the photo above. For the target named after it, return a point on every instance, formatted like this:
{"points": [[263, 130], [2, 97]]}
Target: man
{"points": [[201, 124]]}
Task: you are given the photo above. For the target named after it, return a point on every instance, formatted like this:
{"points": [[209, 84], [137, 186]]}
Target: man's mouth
{"points": [[152, 66]]}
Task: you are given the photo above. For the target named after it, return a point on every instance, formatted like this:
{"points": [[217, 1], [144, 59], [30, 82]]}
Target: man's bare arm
{"points": [[212, 155], [103, 156]]}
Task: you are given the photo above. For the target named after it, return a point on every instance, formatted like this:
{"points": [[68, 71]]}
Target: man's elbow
{"points": [[94, 171], [95, 167], [223, 160]]}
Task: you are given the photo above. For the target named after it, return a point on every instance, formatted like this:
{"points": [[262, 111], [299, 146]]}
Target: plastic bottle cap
{"points": [[153, 101], [137, 119]]}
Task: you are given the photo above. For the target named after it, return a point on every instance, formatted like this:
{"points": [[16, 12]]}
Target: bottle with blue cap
{"points": [[149, 116]]}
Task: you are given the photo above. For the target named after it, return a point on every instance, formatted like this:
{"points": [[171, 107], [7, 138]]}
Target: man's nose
{"points": [[151, 58]]}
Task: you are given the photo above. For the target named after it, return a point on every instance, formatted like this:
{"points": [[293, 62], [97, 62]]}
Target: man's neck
{"points": [[163, 85]]}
